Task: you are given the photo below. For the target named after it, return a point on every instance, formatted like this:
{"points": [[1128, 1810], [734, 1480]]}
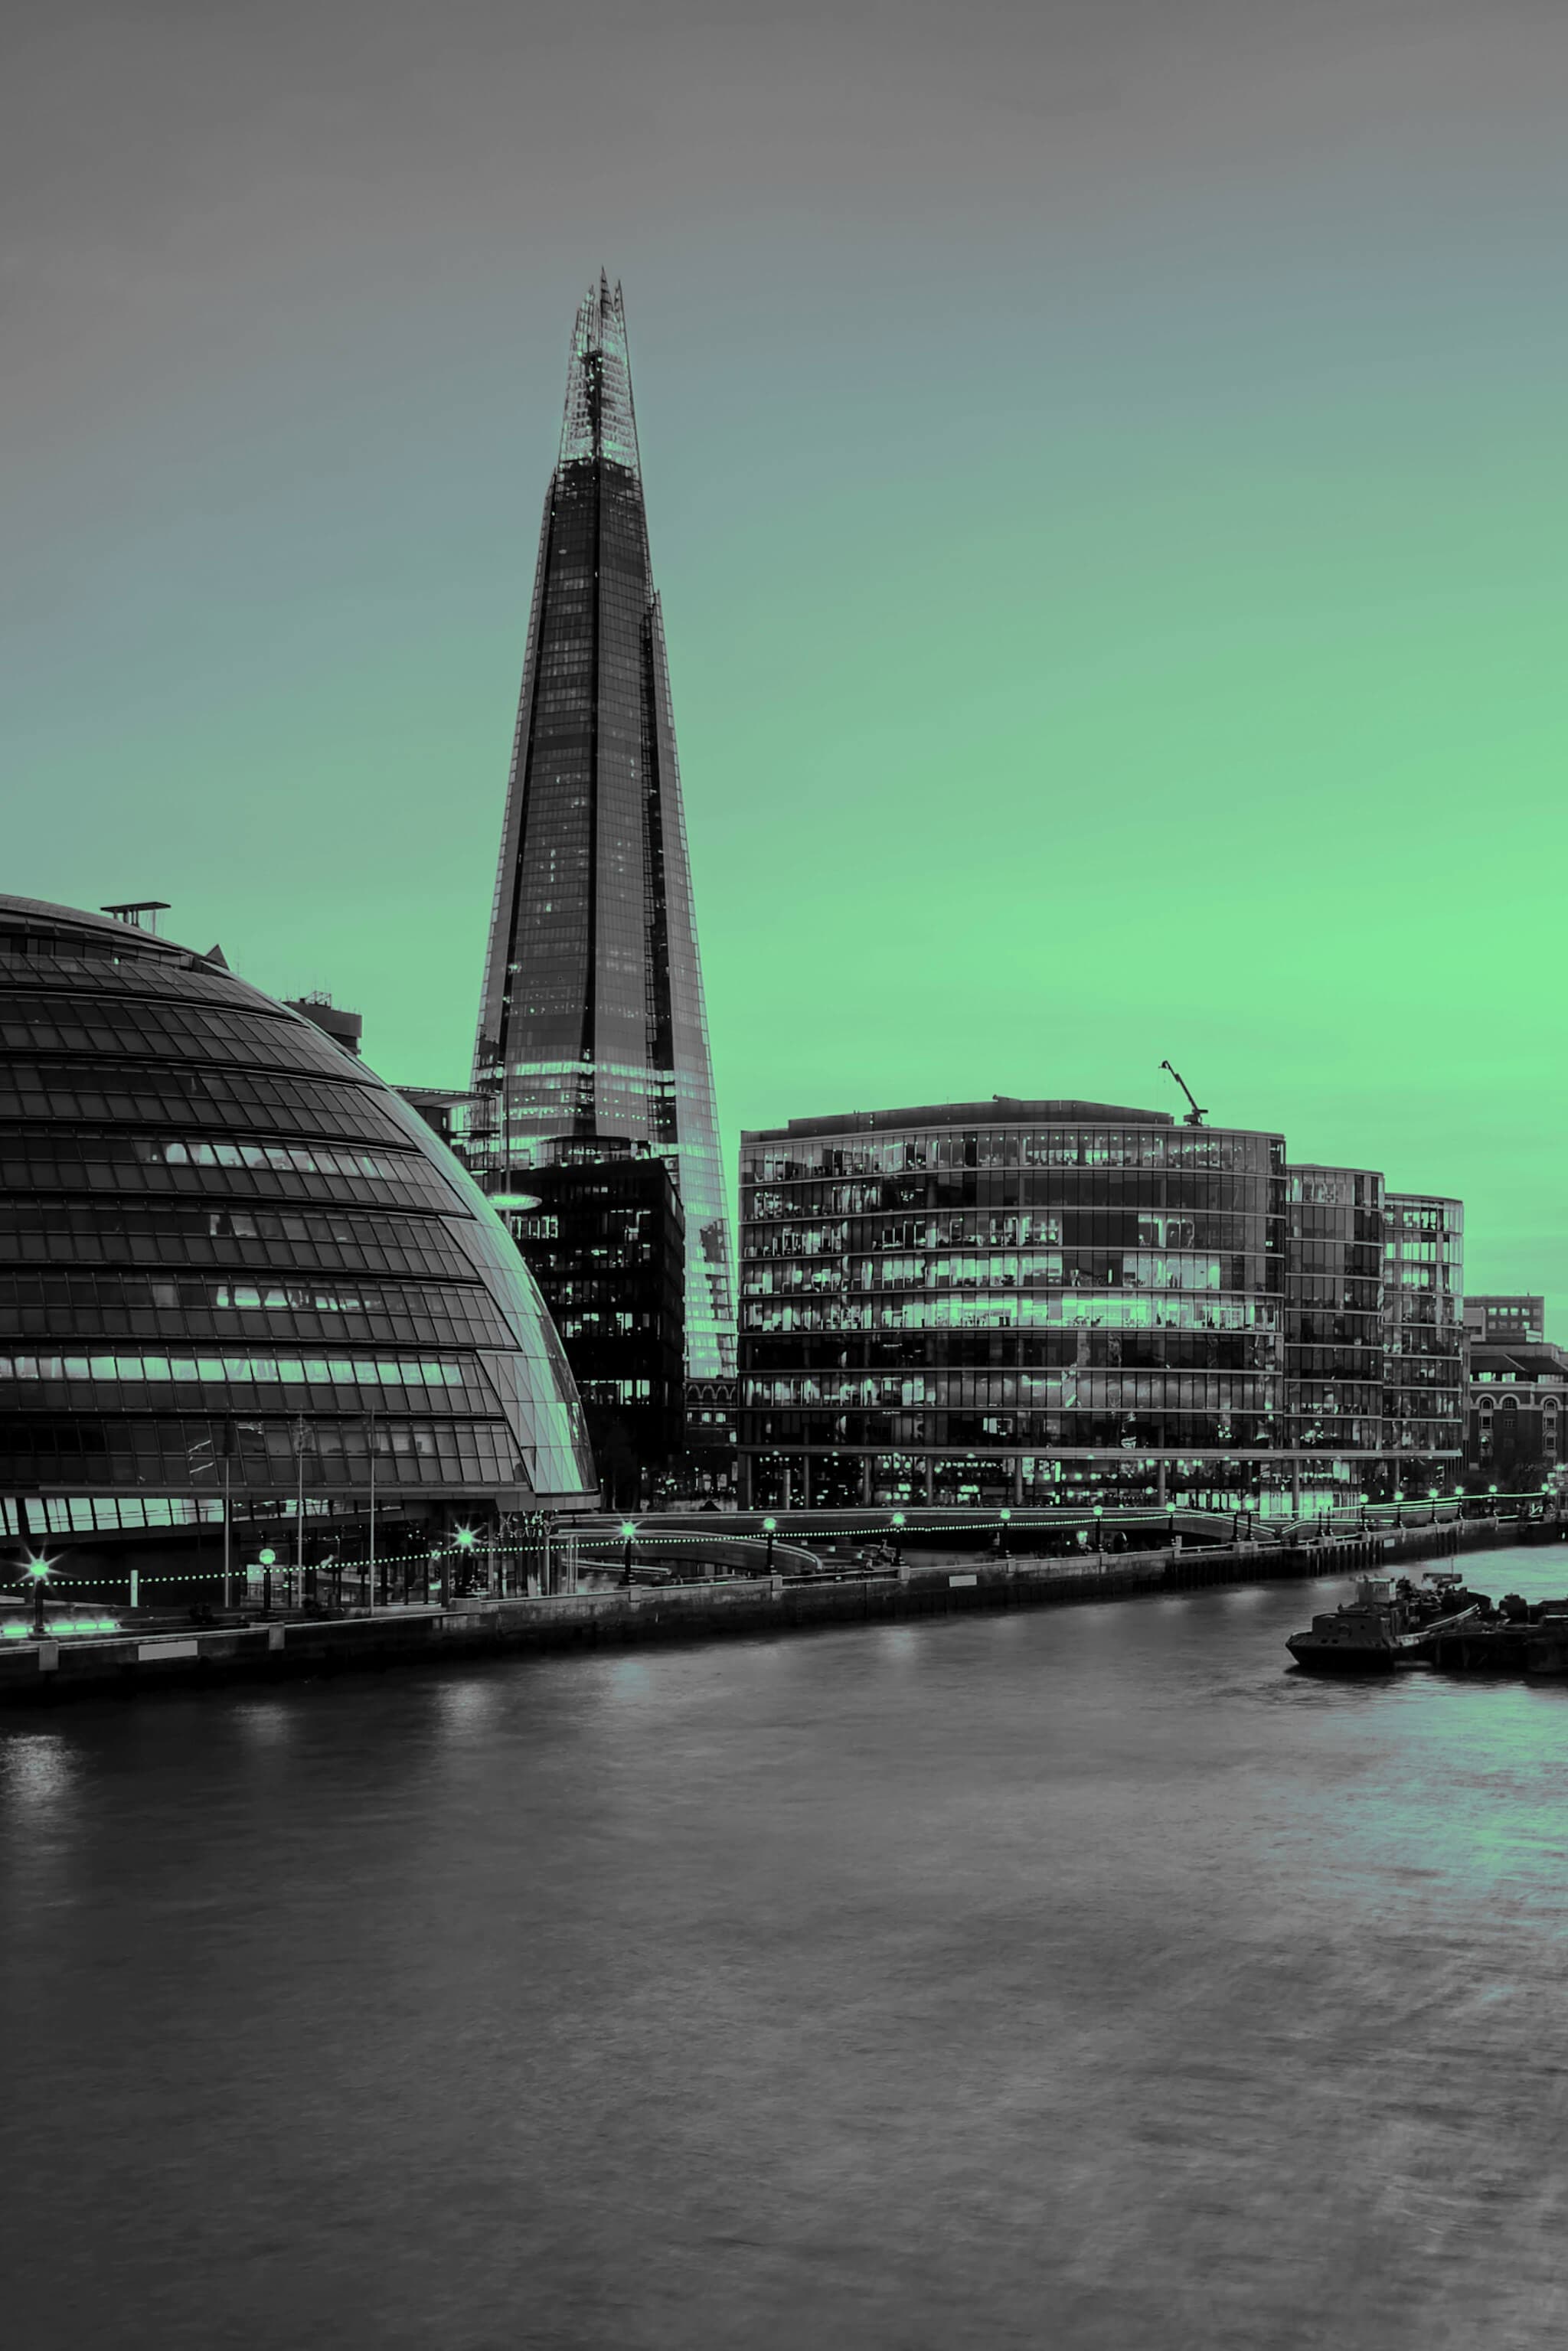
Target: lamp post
{"points": [[1099, 1535], [465, 1541], [268, 1561], [770, 1528], [627, 1536], [303, 1435], [38, 1573], [228, 1515], [1004, 1518], [371, 1570], [898, 1538], [446, 1556], [201, 1457]]}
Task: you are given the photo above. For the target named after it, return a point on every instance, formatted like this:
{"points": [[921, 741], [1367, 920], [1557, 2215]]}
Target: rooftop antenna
{"points": [[130, 910], [1195, 1116]]}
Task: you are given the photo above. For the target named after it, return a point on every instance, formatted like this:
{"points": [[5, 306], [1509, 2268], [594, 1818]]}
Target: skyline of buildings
{"points": [[986, 1300]]}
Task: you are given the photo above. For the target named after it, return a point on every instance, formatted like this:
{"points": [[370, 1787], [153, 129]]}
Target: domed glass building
{"points": [[233, 1260]]}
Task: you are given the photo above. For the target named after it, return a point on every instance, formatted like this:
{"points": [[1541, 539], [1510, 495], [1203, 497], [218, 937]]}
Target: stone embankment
{"points": [[926, 1584]]}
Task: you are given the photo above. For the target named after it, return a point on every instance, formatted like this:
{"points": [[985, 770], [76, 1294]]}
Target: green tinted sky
{"points": [[1104, 468]]}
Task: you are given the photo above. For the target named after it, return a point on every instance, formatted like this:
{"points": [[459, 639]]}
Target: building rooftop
{"points": [[1515, 1359], [1002, 1110]]}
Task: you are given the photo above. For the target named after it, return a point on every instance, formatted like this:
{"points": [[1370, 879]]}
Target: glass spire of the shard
{"points": [[592, 1033]]}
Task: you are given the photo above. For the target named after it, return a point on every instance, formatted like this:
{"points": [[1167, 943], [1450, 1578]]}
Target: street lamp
{"points": [[38, 1573], [1005, 1516], [898, 1538], [268, 1562], [1100, 1532], [627, 1536], [770, 1528]]}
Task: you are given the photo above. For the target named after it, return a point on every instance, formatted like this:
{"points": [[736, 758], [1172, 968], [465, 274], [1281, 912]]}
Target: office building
{"points": [[710, 1466], [1503, 1322], [345, 1029], [1011, 1302], [603, 1241], [1333, 1325], [231, 1259], [592, 1038], [1424, 1341]]}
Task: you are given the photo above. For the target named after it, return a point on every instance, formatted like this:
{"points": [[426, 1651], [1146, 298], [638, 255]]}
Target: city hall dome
{"points": [[232, 1258]]}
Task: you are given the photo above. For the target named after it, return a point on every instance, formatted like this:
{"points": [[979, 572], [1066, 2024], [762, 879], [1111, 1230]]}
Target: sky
{"points": [[1105, 478]]}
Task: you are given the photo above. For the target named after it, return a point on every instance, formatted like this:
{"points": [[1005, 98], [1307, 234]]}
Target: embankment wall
{"points": [[148, 1660]]}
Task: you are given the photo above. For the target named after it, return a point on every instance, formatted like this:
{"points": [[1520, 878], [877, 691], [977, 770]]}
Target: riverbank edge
{"points": [[133, 1663]]}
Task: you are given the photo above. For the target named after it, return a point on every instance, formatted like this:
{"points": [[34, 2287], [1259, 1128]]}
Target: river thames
{"points": [[1078, 1977]]}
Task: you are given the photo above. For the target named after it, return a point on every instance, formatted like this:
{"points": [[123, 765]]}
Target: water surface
{"points": [[1076, 1978]]}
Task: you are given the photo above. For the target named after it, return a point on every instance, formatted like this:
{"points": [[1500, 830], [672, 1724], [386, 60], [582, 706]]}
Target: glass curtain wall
{"points": [[999, 1303], [593, 1031], [1424, 1284], [1334, 1330], [224, 1245]]}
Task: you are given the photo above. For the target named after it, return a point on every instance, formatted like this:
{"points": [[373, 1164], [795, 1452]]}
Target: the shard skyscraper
{"points": [[592, 1037]]}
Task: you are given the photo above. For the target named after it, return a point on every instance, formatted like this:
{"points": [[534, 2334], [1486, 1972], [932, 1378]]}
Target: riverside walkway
{"points": [[807, 1586]]}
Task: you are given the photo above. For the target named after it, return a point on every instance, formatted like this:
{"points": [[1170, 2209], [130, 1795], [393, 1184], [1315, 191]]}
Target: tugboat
{"points": [[1387, 1624]]}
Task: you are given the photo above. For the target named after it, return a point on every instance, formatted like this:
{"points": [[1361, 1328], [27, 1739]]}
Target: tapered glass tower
{"points": [[592, 1035]]}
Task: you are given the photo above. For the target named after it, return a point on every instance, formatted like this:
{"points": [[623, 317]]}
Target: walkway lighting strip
{"points": [[969, 1522]]}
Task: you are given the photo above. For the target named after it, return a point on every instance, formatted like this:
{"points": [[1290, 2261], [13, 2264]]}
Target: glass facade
{"points": [[592, 1027], [226, 1248], [1015, 1302], [1423, 1281], [604, 1243], [1011, 1300], [1333, 1329]]}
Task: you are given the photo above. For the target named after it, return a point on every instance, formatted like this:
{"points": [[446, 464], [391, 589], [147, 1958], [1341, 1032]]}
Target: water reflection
{"points": [[1081, 1978], [36, 1769]]}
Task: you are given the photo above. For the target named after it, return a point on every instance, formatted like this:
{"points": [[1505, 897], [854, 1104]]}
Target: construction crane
{"points": [[1195, 1116]]}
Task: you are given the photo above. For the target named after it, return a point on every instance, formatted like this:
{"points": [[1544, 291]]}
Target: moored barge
{"points": [[1387, 1623]]}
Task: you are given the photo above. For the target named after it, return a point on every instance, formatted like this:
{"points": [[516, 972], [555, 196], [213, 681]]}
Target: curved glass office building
{"points": [[1424, 1282], [1008, 1302], [232, 1260]]}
